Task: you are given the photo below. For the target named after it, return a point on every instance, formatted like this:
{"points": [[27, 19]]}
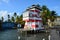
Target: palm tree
{"points": [[2, 18], [8, 18], [12, 19], [0, 24], [53, 16], [15, 15], [45, 14], [21, 21], [17, 19]]}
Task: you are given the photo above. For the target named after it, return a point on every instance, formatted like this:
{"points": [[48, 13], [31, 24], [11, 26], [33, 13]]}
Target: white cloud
{"points": [[6, 1], [4, 14]]}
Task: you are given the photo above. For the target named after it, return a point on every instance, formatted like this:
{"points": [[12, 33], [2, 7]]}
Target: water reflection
{"points": [[53, 35], [38, 36], [12, 35]]}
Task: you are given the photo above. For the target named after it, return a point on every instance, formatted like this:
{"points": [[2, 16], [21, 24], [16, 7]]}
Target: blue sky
{"points": [[11, 6]]}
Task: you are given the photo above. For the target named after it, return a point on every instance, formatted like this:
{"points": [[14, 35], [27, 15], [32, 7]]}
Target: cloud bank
{"points": [[4, 14]]}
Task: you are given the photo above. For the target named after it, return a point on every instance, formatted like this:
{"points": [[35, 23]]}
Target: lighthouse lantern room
{"points": [[32, 18]]}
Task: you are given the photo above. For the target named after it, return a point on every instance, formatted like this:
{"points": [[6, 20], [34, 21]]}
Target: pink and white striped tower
{"points": [[32, 18]]}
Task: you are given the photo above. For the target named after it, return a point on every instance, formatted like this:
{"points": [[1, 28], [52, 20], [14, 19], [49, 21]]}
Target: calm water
{"points": [[53, 35], [16, 35], [8, 35]]}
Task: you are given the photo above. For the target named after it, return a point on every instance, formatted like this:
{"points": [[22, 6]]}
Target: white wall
{"points": [[26, 14], [57, 21]]}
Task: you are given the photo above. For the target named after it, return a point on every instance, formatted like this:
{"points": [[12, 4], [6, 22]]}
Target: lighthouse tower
{"points": [[32, 18]]}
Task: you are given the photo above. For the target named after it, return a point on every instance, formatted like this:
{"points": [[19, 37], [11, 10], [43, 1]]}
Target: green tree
{"points": [[9, 18], [53, 16], [0, 24], [15, 15], [17, 19], [21, 20], [12, 19], [45, 14], [2, 18]]}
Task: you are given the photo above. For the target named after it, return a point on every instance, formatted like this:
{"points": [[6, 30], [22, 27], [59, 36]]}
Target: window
{"points": [[36, 26], [30, 15]]}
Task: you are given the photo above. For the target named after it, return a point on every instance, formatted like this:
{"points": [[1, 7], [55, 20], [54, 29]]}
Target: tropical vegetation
{"points": [[45, 14]]}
